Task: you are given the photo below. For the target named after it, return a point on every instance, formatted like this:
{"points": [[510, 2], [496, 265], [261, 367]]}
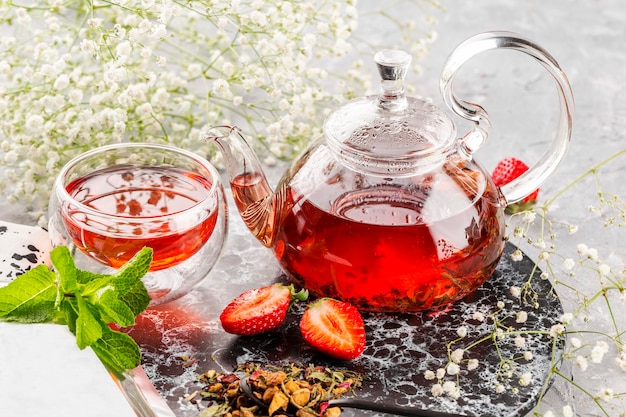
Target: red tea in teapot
{"points": [[376, 247]]}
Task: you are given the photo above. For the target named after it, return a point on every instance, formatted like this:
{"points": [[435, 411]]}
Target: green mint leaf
{"points": [[65, 268], [137, 299], [130, 273], [29, 298], [88, 326], [117, 351], [86, 277], [86, 302], [96, 283], [69, 309], [113, 309]]}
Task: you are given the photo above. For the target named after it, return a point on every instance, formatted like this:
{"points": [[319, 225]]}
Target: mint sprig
{"points": [[86, 302]]}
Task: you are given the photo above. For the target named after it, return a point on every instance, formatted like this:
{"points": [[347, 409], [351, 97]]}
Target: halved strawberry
{"points": [[334, 328], [506, 171], [259, 310]]}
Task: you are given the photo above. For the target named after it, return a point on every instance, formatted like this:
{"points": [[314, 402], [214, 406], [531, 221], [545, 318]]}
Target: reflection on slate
{"points": [[400, 348]]}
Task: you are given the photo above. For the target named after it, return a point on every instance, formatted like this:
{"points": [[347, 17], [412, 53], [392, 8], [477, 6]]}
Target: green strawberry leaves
{"points": [[86, 302]]}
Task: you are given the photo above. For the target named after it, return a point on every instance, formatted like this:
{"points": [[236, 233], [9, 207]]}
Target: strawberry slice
{"points": [[334, 328], [259, 310], [506, 171]]}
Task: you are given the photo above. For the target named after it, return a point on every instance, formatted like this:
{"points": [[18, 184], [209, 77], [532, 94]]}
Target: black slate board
{"points": [[400, 349]]}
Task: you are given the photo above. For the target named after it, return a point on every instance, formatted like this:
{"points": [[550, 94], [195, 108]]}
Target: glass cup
{"points": [[110, 202]]}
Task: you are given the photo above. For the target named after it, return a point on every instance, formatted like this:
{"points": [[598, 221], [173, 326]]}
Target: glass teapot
{"points": [[388, 210]]}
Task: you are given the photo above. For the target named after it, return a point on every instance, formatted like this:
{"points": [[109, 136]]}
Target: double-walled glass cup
{"points": [[110, 202]]}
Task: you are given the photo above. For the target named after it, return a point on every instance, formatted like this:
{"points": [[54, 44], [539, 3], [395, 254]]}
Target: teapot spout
{"points": [[251, 191]]}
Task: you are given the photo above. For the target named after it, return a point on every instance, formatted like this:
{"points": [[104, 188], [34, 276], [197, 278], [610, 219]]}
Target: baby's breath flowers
{"points": [[590, 279], [75, 75]]}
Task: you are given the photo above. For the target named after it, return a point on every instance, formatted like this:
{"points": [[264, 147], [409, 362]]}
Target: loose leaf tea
{"points": [[298, 390]]}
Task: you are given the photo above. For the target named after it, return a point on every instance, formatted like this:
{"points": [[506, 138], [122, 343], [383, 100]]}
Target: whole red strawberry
{"points": [[506, 171], [334, 328], [259, 310]]}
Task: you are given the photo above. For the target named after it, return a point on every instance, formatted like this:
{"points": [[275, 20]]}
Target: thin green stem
{"points": [[591, 170], [582, 389]]}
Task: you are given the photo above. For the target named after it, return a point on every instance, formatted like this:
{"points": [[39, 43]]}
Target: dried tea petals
{"points": [[301, 397], [269, 393], [290, 389], [332, 412], [292, 385], [279, 402], [275, 378]]}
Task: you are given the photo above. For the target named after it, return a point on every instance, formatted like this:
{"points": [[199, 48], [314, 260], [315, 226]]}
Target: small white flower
{"points": [[461, 331], [437, 390], [61, 82], [517, 255], [598, 351], [479, 316], [259, 18], [88, 46], [221, 88], [575, 342], [528, 355], [500, 388], [581, 362], [556, 330], [520, 341], [515, 291], [592, 254], [429, 375], [620, 361], [472, 364], [521, 317], [573, 229], [10, 157], [322, 28], [569, 264], [529, 216], [453, 369], [605, 394], [566, 318], [548, 413], [35, 123], [500, 305], [123, 50], [525, 379], [567, 411], [161, 61], [449, 386], [144, 110], [457, 355], [441, 372], [604, 270]]}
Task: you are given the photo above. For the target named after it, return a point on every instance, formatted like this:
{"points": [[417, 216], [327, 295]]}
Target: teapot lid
{"points": [[390, 134]]}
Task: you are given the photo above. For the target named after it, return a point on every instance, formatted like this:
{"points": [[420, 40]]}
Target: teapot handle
{"points": [[524, 185]]}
